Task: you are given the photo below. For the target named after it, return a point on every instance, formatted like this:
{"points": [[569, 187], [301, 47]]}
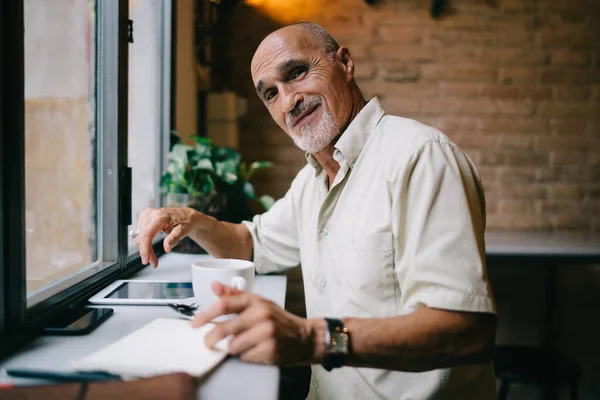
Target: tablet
{"points": [[144, 292]]}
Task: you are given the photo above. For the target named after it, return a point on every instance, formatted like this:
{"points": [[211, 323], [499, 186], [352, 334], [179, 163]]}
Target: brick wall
{"points": [[516, 83]]}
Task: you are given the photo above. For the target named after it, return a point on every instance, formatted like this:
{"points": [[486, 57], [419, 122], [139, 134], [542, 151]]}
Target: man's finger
{"points": [[247, 319], [224, 290], [223, 306], [242, 342], [263, 353], [175, 235], [147, 233]]}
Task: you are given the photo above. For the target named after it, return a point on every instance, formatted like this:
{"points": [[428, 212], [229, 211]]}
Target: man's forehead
{"points": [[278, 48]]}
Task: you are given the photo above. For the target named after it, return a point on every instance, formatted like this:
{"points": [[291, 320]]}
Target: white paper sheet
{"points": [[161, 347]]}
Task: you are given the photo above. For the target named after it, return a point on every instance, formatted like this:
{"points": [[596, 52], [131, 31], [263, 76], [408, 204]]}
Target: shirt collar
{"points": [[352, 141]]}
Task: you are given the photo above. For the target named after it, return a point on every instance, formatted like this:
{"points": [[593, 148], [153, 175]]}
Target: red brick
{"points": [[595, 94], [511, 36], [566, 76], [571, 57], [400, 35], [451, 37], [451, 124], [458, 72], [516, 177], [399, 72], [474, 140], [400, 105], [514, 125], [458, 89], [460, 53], [563, 190], [518, 221], [521, 107], [567, 157], [515, 157], [565, 142], [569, 125], [358, 52], [549, 39], [513, 56], [453, 106], [364, 71], [556, 108], [388, 14], [560, 5], [512, 206], [532, 192], [407, 89], [519, 75], [570, 93], [572, 221], [517, 6], [389, 51], [516, 141], [504, 91], [346, 35]]}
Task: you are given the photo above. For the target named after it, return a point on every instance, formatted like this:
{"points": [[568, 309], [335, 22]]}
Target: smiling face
{"points": [[306, 90]]}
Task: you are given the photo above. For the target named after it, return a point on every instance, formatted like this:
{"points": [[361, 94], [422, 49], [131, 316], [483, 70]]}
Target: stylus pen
{"points": [[62, 376]]}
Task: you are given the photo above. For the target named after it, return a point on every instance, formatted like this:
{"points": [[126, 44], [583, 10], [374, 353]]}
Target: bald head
{"points": [[306, 81]]}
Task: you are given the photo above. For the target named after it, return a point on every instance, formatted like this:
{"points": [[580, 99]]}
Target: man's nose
{"points": [[290, 99]]}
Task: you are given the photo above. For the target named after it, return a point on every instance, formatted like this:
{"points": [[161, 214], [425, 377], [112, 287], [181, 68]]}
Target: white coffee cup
{"points": [[231, 272]]}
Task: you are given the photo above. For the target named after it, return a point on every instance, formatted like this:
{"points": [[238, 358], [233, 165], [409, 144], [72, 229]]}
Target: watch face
{"points": [[339, 342]]}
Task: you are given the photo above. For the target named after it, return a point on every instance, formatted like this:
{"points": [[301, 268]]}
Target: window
{"points": [[60, 141], [148, 105], [66, 135]]}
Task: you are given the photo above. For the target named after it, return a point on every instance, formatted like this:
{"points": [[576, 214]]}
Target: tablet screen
{"points": [[152, 290]]}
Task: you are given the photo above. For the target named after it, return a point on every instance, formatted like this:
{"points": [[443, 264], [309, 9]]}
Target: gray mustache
{"points": [[300, 108]]}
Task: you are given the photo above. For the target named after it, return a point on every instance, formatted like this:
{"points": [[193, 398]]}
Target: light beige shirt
{"points": [[402, 227]]}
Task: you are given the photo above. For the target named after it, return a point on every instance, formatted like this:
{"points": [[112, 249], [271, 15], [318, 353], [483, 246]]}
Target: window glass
{"points": [[60, 139]]}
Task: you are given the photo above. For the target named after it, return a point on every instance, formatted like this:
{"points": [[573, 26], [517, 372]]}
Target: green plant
{"points": [[218, 174]]}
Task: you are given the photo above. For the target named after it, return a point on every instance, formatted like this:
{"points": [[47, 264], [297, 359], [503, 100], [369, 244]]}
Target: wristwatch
{"points": [[337, 342]]}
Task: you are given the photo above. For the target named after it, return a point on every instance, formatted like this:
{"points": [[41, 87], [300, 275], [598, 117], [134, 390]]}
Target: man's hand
{"points": [[176, 222], [263, 332]]}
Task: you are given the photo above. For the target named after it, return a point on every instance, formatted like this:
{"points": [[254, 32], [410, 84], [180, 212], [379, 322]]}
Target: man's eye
{"points": [[270, 95], [297, 72]]}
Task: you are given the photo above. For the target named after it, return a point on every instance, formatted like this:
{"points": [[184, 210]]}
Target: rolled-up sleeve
{"points": [[439, 228], [275, 236]]}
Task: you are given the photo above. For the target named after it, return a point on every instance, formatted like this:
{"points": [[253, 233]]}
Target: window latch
{"points": [[130, 31]]}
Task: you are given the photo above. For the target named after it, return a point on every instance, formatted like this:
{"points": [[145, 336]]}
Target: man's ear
{"points": [[344, 57]]}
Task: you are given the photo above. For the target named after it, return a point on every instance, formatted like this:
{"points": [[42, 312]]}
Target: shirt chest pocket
{"points": [[364, 275]]}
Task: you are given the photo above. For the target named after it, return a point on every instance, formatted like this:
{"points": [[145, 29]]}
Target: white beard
{"points": [[313, 140]]}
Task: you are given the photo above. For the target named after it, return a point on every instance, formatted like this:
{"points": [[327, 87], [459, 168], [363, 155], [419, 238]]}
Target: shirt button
{"points": [[323, 282], [316, 384], [324, 232]]}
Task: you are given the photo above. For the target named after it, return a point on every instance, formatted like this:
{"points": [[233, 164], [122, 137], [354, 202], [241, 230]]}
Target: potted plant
{"points": [[213, 180]]}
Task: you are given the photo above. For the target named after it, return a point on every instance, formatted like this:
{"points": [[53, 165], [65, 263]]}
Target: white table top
{"points": [[524, 243], [233, 379]]}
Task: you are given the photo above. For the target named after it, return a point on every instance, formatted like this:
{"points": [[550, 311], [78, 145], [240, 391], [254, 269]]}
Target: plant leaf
{"points": [[180, 152], [203, 165], [266, 201], [248, 191], [257, 166], [202, 140]]}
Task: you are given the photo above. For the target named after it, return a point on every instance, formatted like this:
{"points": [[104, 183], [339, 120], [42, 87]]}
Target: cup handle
{"points": [[238, 282]]}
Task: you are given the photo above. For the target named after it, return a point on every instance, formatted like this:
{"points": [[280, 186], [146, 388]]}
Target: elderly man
{"points": [[387, 220]]}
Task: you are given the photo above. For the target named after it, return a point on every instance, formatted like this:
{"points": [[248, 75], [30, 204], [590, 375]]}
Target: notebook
{"points": [[161, 347]]}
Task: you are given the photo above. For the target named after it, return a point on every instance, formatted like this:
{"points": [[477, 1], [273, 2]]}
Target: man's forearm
{"points": [[222, 239], [424, 340]]}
